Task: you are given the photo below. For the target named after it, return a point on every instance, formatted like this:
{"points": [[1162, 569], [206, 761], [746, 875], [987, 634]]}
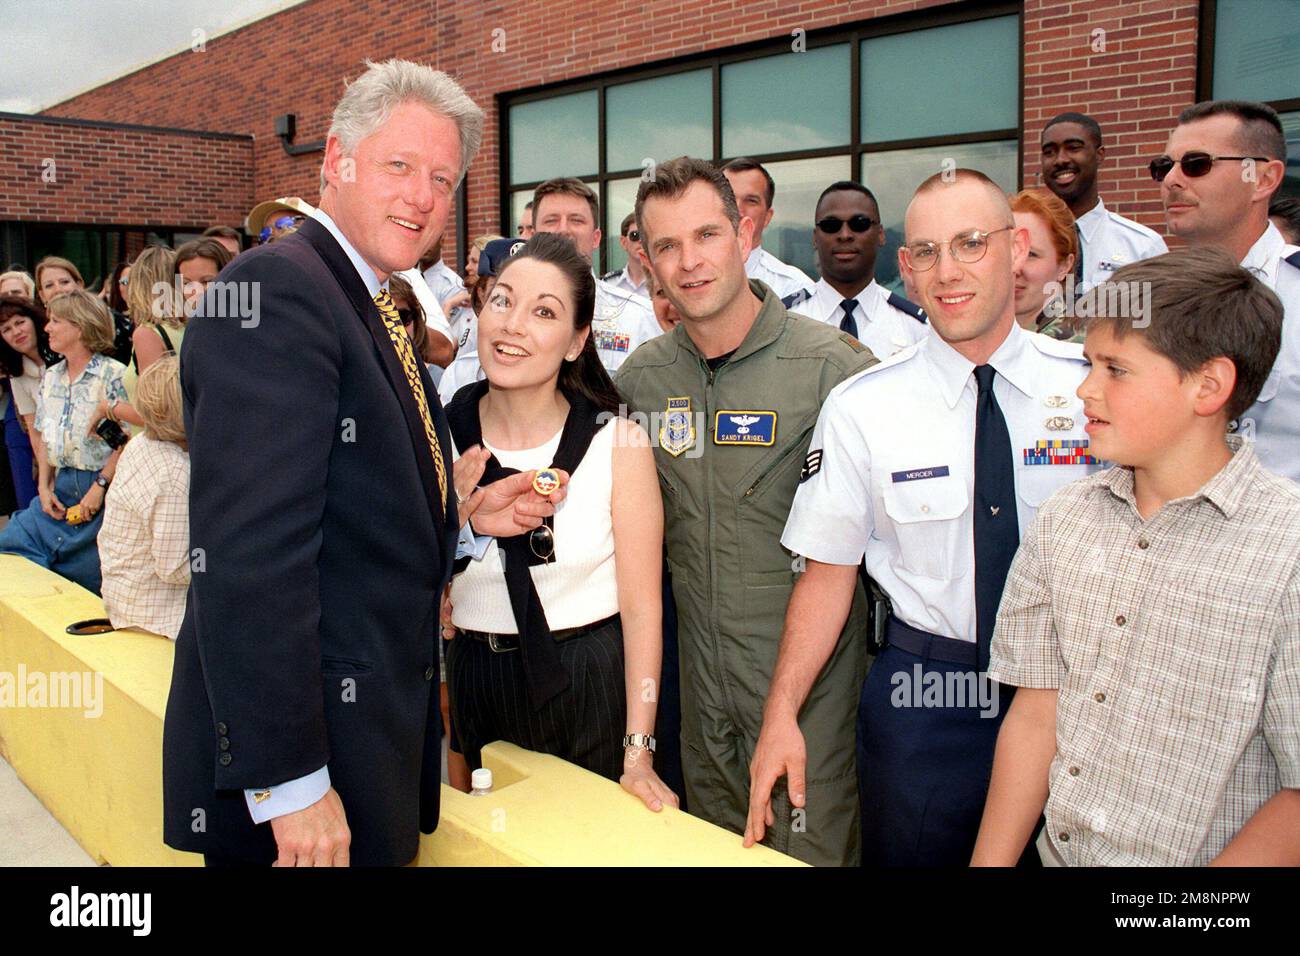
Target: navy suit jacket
{"points": [[320, 550]]}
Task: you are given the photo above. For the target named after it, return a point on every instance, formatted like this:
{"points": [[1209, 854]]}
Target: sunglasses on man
{"points": [[1194, 164], [833, 224]]}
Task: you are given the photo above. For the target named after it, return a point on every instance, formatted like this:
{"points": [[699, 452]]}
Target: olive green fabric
{"points": [[725, 507]]}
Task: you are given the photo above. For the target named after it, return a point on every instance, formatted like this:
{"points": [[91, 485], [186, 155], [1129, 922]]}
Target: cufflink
{"points": [[261, 796]]}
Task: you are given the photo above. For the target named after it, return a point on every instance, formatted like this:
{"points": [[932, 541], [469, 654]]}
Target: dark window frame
{"points": [[1207, 17], [715, 60]]}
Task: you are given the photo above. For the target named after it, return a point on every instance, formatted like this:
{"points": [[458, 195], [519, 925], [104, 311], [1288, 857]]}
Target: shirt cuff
{"points": [[288, 797], [471, 545]]}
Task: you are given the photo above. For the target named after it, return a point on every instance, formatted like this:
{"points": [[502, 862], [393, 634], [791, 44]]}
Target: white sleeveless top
{"points": [[580, 586]]}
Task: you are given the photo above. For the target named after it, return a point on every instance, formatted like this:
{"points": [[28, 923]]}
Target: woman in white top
{"points": [[579, 678], [24, 352], [144, 544]]}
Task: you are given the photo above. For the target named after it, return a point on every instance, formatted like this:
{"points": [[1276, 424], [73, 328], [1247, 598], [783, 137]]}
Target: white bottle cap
{"points": [[481, 779]]}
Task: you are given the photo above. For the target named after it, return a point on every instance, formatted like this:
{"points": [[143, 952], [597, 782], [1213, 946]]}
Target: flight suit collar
{"points": [[766, 328], [952, 370]]}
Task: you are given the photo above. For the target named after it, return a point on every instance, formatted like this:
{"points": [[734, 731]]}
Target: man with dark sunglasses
{"points": [[847, 237], [1222, 165], [631, 278], [1072, 154]]}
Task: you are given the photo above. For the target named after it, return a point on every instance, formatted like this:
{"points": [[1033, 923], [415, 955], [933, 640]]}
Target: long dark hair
{"points": [[585, 375], [116, 298], [11, 305]]}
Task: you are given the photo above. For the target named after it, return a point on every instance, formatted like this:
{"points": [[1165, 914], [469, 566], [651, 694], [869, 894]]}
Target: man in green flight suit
{"points": [[732, 395]]}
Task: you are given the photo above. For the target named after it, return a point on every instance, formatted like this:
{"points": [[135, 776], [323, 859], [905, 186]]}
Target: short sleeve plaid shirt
{"points": [[1175, 646]]}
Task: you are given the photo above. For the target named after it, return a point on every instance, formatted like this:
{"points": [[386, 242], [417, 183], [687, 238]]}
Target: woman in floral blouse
{"points": [[58, 530]]}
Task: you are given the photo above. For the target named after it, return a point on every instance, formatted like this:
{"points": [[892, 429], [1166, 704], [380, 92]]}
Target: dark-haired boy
{"points": [[1151, 618]]}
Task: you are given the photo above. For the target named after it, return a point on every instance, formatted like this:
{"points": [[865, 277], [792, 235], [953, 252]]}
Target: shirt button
{"points": [[925, 508], [1063, 837], [1143, 543], [222, 729], [224, 743], [1074, 771], [1121, 620], [1099, 697], [224, 760]]}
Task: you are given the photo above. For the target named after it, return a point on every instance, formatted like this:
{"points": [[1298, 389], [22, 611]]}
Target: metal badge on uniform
{"points": [[678, 431], [612, 341], [744, 427], [811, 465], [1059, 423], [1056, 401], [1059, 451]]}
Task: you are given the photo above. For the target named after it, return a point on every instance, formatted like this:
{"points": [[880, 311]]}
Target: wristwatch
{"points": [[639, 740], [102, 482]]}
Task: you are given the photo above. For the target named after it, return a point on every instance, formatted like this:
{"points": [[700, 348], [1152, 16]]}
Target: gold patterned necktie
{"points": [[406, 353]]}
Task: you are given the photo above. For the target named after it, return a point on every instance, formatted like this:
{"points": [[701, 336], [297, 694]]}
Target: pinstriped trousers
{"points": [[583, 725]]}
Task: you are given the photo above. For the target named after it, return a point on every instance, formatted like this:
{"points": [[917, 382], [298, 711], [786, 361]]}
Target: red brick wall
{"points": [[1135, 88], [294, 62], [126, 177]]}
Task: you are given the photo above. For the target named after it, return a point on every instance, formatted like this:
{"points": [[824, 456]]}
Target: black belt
{"points": [[930, 646], [504, 643]]}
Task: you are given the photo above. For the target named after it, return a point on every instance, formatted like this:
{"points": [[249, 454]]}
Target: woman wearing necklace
{"points": [[559, 629]]}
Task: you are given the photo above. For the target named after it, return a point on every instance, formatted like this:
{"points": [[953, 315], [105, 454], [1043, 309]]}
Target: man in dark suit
{"points": [[324, 513]]}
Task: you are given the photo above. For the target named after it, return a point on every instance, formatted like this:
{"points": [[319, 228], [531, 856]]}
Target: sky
{"points": [[54, 49]]}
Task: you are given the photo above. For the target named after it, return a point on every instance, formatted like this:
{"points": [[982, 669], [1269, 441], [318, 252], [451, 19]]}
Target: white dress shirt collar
{"points": [[952, 370], [1265, 254], [1091, 220], [373, 285]]}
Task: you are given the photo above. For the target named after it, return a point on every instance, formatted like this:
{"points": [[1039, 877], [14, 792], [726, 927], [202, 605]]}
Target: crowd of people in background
{"points": [[835, 412]]}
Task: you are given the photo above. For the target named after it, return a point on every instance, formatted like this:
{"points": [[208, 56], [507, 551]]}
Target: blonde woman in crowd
{"points": [[58, 529], [144, 543]]}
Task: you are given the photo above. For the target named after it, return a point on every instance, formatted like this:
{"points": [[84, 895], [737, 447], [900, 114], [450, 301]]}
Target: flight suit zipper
{"points": [[715, 623]]}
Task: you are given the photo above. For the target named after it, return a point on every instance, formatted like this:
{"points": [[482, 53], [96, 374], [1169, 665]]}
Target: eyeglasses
{"points": [[833, 224], [1193, 165], [965, 247], [633, 235], [123, 280], [542, 541]]}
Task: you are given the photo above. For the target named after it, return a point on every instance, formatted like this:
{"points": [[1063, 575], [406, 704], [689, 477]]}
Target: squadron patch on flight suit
{"points": [[678, 431]]}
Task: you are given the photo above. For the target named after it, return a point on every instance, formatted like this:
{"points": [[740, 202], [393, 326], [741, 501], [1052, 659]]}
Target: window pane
{"points": [[786, 102], [798, 184], [1257, 50], [970, 81], [620, 200], [555, 137], [518, 200], [1291, 183], [659, 119], [893, 176]]}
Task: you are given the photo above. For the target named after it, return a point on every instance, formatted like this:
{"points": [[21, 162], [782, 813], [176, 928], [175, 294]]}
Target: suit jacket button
{"points": [[222, 729], [224, 743], [224, 760], [428, 672]]}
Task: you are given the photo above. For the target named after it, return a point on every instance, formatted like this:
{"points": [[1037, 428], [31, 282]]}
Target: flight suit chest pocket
{"points": [[925, 517]]}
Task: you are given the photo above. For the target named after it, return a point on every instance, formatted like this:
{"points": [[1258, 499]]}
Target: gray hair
{"points": [[370, 99]]}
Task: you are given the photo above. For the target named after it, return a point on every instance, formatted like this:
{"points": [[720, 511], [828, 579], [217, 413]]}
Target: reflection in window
{"points": [[1256, 50], [621, 200], [1291, 127], [894, 175], [798, 184], [970, 81], [658, 119], [518, 200], [789, 102], [555, 137]]}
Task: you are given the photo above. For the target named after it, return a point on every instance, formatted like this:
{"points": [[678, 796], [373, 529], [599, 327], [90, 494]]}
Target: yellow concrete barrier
{"points": [[95, 759]]}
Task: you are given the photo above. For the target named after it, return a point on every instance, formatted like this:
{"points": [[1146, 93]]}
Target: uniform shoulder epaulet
{"points": [[1293, 260], [1057, 348], [611, 276], [908, 306], [796, 298]]}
